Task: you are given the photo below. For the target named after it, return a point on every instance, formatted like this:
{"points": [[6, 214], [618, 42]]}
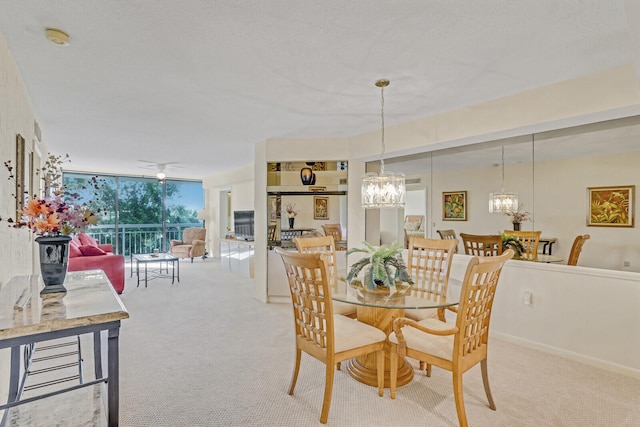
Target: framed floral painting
{"points": [[320, 207], [454, 206], [611, 206]]}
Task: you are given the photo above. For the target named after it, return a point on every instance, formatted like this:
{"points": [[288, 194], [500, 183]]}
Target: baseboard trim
{"points": [[576, 357]]}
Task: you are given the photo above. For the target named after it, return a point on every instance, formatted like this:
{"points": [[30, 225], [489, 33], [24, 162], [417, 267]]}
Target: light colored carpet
{"points": [[204, 352]]}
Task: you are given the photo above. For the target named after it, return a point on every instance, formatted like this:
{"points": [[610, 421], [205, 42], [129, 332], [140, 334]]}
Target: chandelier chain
{"points": [[382, 117], [503, 168]]}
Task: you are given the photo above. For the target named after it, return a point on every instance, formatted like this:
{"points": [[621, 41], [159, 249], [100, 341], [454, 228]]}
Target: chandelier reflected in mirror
{"points": [[384, 189], [503, 202]]}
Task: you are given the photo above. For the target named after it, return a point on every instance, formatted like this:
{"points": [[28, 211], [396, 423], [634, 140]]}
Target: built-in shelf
{"points": [[284, 185]]}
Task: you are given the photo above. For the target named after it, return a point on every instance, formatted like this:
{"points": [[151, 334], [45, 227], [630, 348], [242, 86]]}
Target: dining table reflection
{"points": [[379, 308]]}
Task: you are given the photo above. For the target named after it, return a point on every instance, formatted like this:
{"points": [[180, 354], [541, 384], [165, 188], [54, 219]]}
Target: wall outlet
{"points": [[626, 264]]}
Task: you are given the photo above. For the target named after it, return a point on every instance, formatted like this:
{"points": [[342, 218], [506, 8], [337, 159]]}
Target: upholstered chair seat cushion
{"points": [[350, 333], [440, 346], [419, 313]]}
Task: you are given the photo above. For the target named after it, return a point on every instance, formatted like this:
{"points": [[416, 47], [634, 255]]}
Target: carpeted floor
{"points": [[204, 352]]}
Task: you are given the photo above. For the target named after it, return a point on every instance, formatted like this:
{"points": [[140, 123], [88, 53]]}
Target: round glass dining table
{"points": [[380, 309]]}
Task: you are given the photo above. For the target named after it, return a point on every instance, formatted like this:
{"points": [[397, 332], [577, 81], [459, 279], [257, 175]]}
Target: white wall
{"points": [[241, 184], [586, 314], [16, 117]]}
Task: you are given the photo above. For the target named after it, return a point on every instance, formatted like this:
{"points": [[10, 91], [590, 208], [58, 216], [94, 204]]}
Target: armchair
{"points": [[413, 227], [454, 348], [192, 244]]}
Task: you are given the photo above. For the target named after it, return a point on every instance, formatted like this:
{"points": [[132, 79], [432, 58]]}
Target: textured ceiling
{"points": [[200, 82]]}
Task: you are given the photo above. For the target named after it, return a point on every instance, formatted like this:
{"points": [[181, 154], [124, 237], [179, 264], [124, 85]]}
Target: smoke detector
{"points": [[57, 37]]}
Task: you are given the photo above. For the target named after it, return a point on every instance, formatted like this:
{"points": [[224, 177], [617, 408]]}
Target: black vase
{"points": [[54, 257], [291, 221], [307, 176], [516, 226]]}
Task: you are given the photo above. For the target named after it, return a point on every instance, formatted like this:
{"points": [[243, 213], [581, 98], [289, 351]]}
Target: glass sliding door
{"points": [[138, 215]]}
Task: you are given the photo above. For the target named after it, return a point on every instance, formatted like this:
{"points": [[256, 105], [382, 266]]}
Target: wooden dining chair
{"points": [[454, 348], [334, 230], [482, 244], [530, 241], [326, 245], [271, 232], [576, 248], [448, 235], [429, 264], [328, 337]]}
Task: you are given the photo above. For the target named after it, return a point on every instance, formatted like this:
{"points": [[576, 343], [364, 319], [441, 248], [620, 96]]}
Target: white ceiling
{"points": [[200, 82]]}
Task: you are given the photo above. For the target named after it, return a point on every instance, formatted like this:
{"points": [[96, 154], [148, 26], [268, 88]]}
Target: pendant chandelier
{"points": [[384, 189], [503, 202]]}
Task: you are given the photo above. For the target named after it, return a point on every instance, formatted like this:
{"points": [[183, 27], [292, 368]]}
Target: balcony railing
{"points": [[138, 238]]}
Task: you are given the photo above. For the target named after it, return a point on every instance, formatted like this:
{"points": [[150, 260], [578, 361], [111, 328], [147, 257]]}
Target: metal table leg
{"points": [[113, 382]]}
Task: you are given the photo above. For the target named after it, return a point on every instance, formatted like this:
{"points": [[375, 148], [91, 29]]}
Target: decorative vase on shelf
{"points": [[291, 221], [54, 257], [516, 226], [307, 176]]}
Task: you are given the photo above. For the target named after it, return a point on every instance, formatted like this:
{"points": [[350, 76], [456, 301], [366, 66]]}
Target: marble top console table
{"points": [[90, 305]]}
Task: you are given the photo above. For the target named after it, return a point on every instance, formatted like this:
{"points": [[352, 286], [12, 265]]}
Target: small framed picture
{"points": [[20, 174], [611, 206], [454, 206], [320, 207]]}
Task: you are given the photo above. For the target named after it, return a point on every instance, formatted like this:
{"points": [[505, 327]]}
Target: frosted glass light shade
{"points": [[385, 190], [503, 202]]}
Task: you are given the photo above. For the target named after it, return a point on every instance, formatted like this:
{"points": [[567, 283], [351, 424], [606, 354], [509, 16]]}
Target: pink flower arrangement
{"points": [[290, 209], [519, 215], [55, 214]]}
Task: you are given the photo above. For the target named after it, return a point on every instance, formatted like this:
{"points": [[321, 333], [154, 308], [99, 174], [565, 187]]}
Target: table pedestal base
{"points": [[364, 370]]}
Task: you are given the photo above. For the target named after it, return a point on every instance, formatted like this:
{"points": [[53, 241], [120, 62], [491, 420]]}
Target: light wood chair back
{"points": [[413, 218], [429, 265], [271, 232], [576, 248], [321, 245], [482, 244], [327, 337], [454, 348], [449, 235], [530, 241], [326, 245], [334, 230]]}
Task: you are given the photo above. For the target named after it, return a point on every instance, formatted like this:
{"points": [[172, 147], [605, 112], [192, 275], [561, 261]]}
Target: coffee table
{"points": [[150, 274]]}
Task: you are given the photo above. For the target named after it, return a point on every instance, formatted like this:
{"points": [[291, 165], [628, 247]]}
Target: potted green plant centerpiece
{"points": [[383, 267], [511, 242]]}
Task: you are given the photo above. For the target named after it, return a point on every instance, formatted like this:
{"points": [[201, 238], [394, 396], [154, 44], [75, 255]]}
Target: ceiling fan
{"points": [[159, 167]]}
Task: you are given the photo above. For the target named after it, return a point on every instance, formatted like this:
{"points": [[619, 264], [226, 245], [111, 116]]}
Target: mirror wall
{"points": [[554, 173]]}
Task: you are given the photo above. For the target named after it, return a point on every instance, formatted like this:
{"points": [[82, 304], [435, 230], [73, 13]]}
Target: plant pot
{"points": [[516, 226], [382, 294], [54, 257], [291, 221]]}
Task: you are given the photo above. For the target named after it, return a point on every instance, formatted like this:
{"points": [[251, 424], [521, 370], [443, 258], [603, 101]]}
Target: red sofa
{"points": [[86, 254]]}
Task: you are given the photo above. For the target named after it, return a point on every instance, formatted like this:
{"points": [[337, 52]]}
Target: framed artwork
{"points": [[611, 206], [274, 208], [319, 166], [454, 206], [320, 207], [19, 174]]}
